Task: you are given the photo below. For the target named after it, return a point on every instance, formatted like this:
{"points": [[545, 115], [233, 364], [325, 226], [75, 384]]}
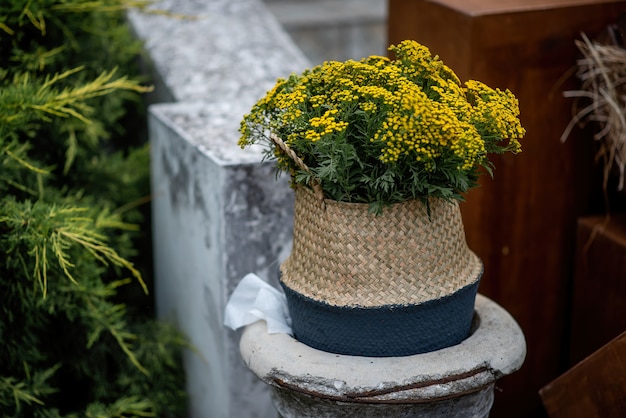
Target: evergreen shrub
{"points": [[74, 230]]}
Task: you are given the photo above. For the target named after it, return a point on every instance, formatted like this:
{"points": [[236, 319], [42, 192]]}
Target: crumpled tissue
{"points": [[254, 299]]}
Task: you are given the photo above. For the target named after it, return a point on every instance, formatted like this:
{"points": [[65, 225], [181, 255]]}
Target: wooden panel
{"points": [[599, 302], [596, 387], [522, 223]]}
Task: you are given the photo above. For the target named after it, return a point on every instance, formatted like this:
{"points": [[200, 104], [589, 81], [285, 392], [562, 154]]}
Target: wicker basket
{"points": [[400, 283], [395, 284]]}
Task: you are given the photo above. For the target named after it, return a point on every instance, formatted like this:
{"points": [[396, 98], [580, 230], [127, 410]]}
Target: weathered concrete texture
{"points": [[225, 51], [328, 382], [218, 212], [185, 267], [213, 223], [292, 404]]}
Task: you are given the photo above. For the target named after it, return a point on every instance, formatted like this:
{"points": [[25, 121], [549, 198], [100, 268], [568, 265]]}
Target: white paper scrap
{"points": [[254, 300]]}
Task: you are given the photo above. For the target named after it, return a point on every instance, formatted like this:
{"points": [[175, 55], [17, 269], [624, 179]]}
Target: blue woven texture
{"points": [[385, 331]]}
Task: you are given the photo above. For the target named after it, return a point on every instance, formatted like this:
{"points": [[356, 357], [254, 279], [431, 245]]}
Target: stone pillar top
{"points": [[495, 348], [210, 62], [219, 51]]}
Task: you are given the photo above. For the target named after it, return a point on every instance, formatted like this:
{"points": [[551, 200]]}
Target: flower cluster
{"points": [[383, 131]]}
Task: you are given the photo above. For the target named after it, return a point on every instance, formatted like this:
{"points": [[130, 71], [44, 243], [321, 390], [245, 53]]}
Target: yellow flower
{"points": [[409, 119]]}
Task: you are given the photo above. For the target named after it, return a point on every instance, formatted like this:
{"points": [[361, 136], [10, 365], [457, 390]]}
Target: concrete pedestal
{"points": [[455, 381]]}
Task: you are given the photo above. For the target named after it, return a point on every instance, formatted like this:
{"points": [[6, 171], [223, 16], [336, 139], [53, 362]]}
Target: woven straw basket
{"points": [[345, 256], [394, 284]]}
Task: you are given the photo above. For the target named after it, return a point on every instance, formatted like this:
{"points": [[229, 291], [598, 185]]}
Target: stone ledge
{"points": [[211, 128], [212, 61], [496, 348], [219, 51]]}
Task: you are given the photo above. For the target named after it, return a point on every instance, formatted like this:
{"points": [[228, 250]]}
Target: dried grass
{"points": [[602, 71]]}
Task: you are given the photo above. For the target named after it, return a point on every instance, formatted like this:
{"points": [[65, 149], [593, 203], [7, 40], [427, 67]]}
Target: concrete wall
{"points": [[218, 212]]}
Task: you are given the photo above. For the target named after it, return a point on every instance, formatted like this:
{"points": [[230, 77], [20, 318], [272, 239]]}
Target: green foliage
{"points": [[383, 131], [74, 184]]}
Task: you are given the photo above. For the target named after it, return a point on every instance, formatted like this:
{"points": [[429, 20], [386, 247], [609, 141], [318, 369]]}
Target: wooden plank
{"points": [[599, 297], [522, 223], [595, 387]]}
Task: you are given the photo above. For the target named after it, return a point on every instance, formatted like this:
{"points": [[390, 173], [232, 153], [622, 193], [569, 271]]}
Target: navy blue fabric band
{"points": [[384, 331]]}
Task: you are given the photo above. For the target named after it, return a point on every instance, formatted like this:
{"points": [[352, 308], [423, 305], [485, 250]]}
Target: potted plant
{"points": [[380, 151]]}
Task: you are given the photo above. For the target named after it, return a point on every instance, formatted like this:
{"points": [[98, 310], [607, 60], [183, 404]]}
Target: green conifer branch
{"points": [[41, 267], [18, 391], [95, 244], [109, 317], [25, 163], [70, 153], [106, 219], [103, 316], [43, 57], [18, 186], [6, 29], [60, 232], [131, 406], [14, 159], [62, 228], [70, 101], [17, 99], [37, 21], [102, 6], [26, 390]]}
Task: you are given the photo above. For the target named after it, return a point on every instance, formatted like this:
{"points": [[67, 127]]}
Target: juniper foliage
{"points": [[73, 180]]}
